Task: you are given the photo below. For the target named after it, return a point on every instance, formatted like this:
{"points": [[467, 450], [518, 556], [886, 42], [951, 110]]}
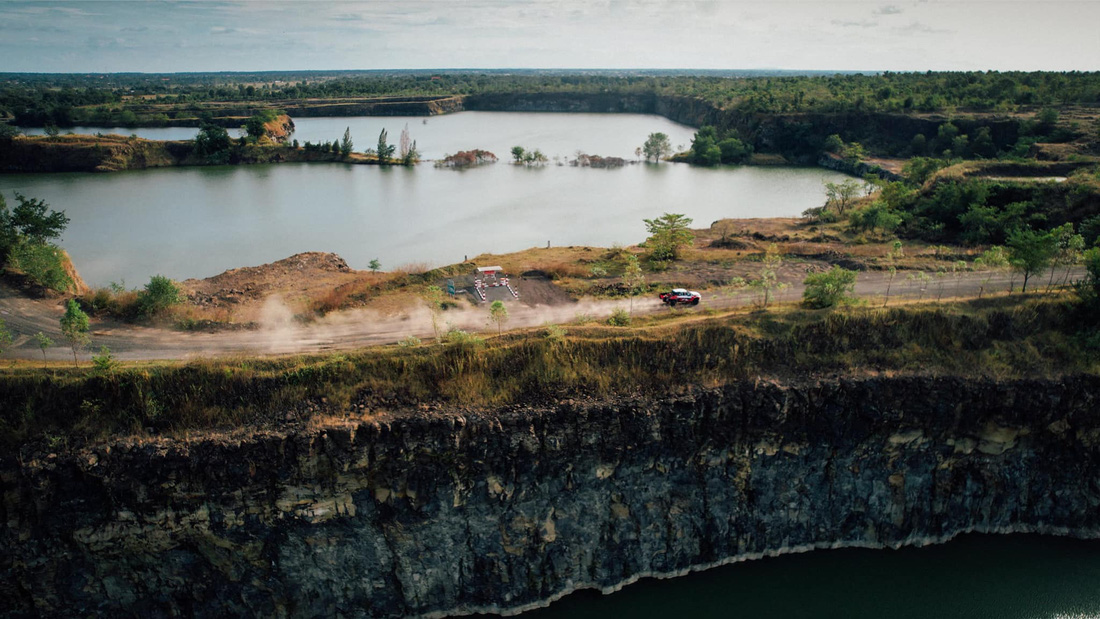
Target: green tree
{"points": [[212, 142], [433, 298], [255, 129], [667, 234], [498, 313], [159, 294], [104, 364], [34, 220], [734, 150], [656, 146], [517, 154], [769, 279], [384, 150], [1031, 251], [841, 196], [876, 216], [75, 327], [412, 155], [1069, 247], [834, 144], [633, 279], [828, 288], [374, 265], [346, 144], [43, 342], [991, 259]]}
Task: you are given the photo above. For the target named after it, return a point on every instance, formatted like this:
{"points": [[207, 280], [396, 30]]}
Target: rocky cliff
{"points": [[435, 513]]}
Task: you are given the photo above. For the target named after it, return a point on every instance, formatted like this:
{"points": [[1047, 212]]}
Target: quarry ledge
{"points": [[441, 513]]}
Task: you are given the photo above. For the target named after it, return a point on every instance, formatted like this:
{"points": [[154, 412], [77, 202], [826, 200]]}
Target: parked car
{"points": [[679, 295]]}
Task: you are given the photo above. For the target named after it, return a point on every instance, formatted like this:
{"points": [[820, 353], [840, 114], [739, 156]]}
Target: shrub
{"points": [[554, 333], [463, 339], [619, 318], [42, 263], [409, 342], [829, 288], [159, 294], [104, 363]]}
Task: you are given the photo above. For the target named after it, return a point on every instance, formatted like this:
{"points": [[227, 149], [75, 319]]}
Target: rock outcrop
{"points": [[427, 513]]}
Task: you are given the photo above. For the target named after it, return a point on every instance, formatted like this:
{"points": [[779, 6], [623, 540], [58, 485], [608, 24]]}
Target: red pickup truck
{"points": [[679, 295]]}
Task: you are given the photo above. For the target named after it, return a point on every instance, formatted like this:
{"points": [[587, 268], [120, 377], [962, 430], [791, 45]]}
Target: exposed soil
{"points": [[299, 280]]}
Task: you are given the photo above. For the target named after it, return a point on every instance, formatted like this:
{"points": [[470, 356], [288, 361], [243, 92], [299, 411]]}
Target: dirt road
{"points": [[281, 334]]}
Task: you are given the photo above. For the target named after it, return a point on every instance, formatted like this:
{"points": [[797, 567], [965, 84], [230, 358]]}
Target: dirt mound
{"points": [[302, 275]]}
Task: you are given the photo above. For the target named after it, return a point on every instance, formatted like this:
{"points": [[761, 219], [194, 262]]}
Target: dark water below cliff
{"points": [[1003, 576]]}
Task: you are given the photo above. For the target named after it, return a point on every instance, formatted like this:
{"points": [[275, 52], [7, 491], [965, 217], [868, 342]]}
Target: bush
{"points": [[619, 318], [409, 342], [159, 294], [554, 333], [42, 263], [829, 288]]}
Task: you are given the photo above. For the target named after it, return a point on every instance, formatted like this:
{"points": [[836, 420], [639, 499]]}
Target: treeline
{"points": [[36, 100]]}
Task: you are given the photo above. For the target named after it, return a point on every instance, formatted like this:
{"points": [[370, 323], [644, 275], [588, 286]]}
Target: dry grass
{"points": [[998, 338]]}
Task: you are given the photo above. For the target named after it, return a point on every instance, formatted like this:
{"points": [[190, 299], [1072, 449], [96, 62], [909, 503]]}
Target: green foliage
{"points": [[990, 224], [667, 235], [876, 216], [920, 169], [840, 196], [43, 263], [75, 327], [704, 147], [212, 143], [1031, 251], [734, 150], [554, 333], [1090, 231], [619, 318], [1089, 288], [345, 143], [104, 364], [829, 288], [374, 265], [517, 154], [33, 220], [633, 279], [656, 146], [43, 341], [384, 150], [5, 336], [769, 280], [159, 294], [410, 341], [463, 340], [498, 313]]}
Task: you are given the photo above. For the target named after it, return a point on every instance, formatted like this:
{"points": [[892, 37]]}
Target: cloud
{"points": [[863, 23], [888, 9], [917, 27]]}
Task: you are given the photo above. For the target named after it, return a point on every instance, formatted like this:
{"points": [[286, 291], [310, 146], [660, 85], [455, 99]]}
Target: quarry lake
{"points": [[197, 222], [1002, 576]]}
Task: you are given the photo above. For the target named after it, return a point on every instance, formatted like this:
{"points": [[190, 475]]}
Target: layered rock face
{"points": [[431, 513]]}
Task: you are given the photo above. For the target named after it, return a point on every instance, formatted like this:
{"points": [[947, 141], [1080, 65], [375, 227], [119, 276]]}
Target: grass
{"points": [[997, 338]]}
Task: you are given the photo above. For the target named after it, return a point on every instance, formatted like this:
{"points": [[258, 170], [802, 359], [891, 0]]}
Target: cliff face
{"points": [[432, 513]]}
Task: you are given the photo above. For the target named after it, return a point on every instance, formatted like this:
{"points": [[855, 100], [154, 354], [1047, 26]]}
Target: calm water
{"points": [[973, 577], [197, 222], [560, 135]]}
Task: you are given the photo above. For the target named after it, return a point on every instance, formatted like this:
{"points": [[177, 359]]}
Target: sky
{"points": [[261, 35]]}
